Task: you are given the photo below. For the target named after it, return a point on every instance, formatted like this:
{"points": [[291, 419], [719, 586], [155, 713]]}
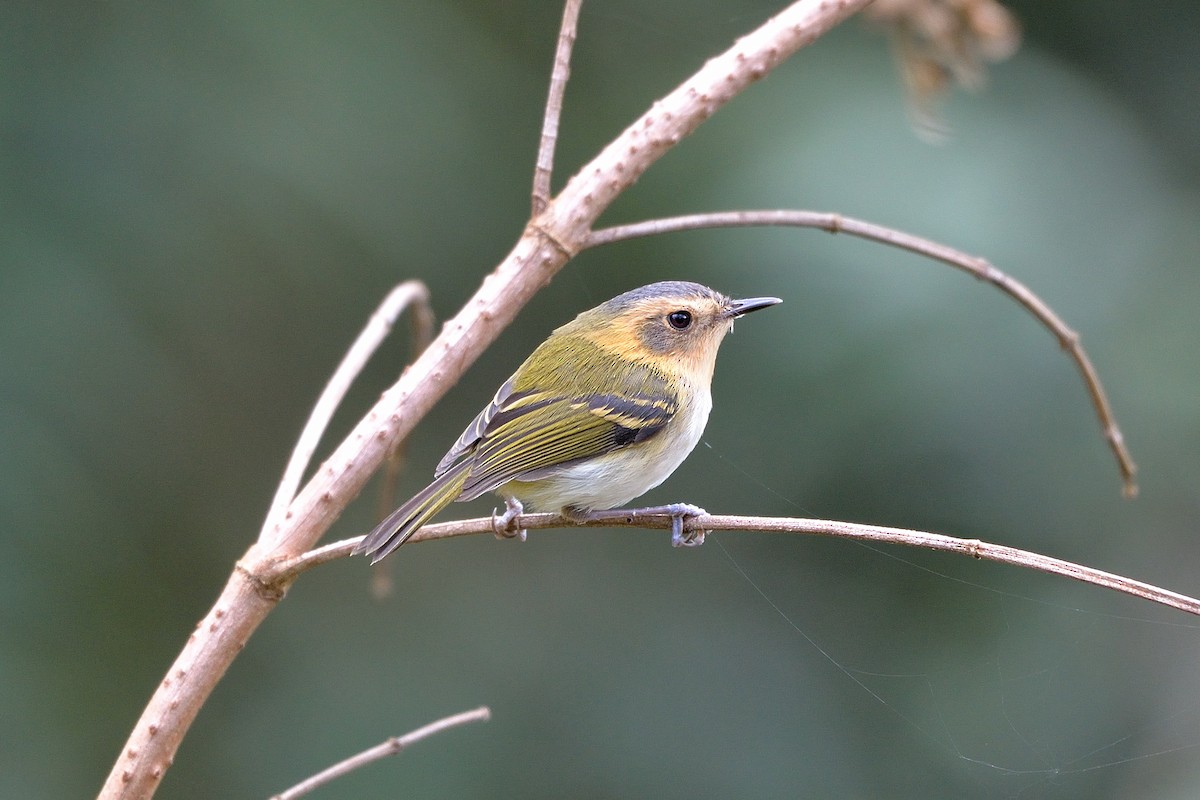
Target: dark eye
{"points": [[679, 319]]}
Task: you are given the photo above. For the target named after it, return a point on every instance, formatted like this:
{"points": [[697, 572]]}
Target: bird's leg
{"points": [[678, 512], [505, 525]]}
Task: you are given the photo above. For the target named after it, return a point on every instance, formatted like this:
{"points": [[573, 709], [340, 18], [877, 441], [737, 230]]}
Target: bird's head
{"points": [[675, 325]]}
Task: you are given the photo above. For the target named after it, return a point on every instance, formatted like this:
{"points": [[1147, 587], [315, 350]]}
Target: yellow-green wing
{"points": [[585, 367], [537, 431]]}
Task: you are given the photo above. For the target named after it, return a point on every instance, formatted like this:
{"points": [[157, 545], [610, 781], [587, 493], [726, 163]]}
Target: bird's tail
{"points": [[405, 520]]}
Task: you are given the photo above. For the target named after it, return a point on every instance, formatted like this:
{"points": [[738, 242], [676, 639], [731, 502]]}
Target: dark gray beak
{"points": [[742, 307]]}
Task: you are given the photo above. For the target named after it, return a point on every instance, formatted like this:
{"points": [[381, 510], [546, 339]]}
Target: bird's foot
{"points": [[505, 526], [680, 512]]}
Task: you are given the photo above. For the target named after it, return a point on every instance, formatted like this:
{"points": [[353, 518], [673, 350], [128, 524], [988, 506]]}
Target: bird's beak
{"points": [[741, 307]]}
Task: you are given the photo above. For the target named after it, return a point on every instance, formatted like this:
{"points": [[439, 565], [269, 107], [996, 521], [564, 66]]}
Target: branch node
{"points": [[271, 589], [1068, 338], [987, 271], [558, 244]]}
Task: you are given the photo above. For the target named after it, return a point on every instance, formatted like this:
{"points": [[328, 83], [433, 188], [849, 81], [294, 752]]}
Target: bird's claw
{"points": [[505, 525], [680, 537]]}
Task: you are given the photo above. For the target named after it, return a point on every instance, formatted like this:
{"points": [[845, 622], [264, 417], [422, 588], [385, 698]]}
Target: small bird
{"points": [[603, 411]]}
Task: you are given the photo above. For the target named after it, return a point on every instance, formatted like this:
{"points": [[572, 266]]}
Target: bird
{"points": [[601, 412]]}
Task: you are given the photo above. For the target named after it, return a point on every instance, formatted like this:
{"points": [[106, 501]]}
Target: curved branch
{"points": [[980, 268], [287, 570], [409, 293]]}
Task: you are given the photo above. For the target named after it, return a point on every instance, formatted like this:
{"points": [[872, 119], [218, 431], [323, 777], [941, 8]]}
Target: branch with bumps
{"points": [[561, 227]]}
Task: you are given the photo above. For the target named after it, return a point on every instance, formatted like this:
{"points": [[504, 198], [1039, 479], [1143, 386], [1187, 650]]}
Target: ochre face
{"points": [[674, 327], [680, 327], [677, 335]]}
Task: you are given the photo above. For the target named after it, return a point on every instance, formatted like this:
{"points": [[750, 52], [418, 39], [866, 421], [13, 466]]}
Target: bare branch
{"points": [[391, 747], [1068, 339], [543, 249], [558, 86], [409, 293], [286, 571]]}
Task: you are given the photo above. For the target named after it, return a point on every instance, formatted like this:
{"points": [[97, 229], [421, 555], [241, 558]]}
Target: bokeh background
{"points": [[202, 204]]}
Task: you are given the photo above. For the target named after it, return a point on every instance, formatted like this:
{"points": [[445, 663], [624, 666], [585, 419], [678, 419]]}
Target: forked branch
{"points": [[546, 245]]}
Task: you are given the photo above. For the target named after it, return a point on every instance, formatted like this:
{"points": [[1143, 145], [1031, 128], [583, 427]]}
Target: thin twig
{"points": [[409, 293], [554, 104], [1068, 339], [287, 570], [392, 746]]}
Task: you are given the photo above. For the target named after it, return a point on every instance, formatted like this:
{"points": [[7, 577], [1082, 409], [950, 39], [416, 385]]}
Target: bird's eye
{"points": [[679, 320]]}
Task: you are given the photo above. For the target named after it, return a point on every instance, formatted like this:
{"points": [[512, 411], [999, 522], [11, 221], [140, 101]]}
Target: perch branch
{"points": [[391, 747], [287, 570], [543, 249], [554, 104], [978, 267]]}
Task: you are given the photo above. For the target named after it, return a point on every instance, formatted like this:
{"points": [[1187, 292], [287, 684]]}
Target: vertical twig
{"points": [[558, 85]]}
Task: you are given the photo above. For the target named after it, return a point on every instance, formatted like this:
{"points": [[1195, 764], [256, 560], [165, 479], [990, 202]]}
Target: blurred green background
{"points": [[203, 203]]}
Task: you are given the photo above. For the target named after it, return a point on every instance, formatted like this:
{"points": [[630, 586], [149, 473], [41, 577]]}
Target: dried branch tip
{"points": [[941, 42]]}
